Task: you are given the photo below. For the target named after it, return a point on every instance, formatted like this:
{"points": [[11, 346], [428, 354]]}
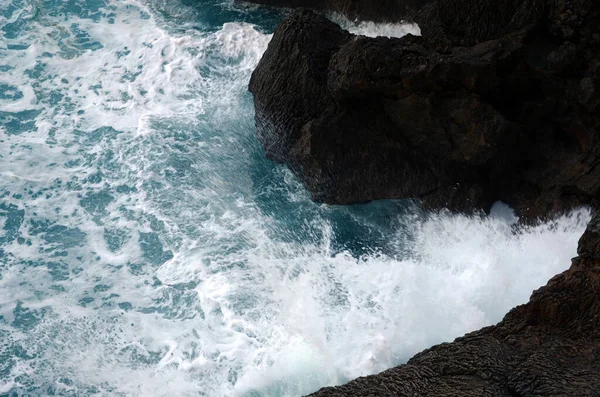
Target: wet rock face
{"points": [[589, 243], [547, 347], [490, 104]]}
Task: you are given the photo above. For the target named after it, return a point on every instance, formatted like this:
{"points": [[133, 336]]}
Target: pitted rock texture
{"points": [[470, 113], [547, 347]]}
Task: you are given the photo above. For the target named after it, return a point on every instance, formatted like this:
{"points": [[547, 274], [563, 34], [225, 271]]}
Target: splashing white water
{"points": [[374, 29]]}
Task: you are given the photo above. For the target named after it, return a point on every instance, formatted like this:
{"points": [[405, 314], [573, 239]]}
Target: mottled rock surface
{"points": [[547, 347], [495, 102]]}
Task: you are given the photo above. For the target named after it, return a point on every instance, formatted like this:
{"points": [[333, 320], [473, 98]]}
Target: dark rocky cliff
{"points": [[488, 105]]}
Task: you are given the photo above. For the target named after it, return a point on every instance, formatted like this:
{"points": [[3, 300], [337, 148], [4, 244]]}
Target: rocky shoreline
{"points": [[495, 101]]}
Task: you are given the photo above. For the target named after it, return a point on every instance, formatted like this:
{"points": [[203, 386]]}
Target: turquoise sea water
{"points": [[148, 249]]}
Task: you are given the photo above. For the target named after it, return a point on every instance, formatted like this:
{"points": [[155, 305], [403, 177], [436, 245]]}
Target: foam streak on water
{"points": [[373, 29], [148, 249]]}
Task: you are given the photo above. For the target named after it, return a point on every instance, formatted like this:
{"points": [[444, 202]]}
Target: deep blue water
{"points": [[147, 248]]}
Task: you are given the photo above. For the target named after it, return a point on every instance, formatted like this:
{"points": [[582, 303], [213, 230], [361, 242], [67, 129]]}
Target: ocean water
{"points": [[148, 249]]}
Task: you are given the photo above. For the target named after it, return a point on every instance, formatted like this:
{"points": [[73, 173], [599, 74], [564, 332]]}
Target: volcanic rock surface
{"points": [[498, 100]]}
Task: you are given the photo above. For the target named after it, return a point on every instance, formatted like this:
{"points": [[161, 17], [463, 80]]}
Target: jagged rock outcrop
{"points": [[497, 101], [547, 347]]}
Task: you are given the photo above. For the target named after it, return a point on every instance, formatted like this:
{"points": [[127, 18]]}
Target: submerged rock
{"points": [[547, 347], [490, 104]]}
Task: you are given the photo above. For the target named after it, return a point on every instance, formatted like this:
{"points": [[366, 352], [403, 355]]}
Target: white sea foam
{"points": [[375, 29], [307, 318], [242, 305]]}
